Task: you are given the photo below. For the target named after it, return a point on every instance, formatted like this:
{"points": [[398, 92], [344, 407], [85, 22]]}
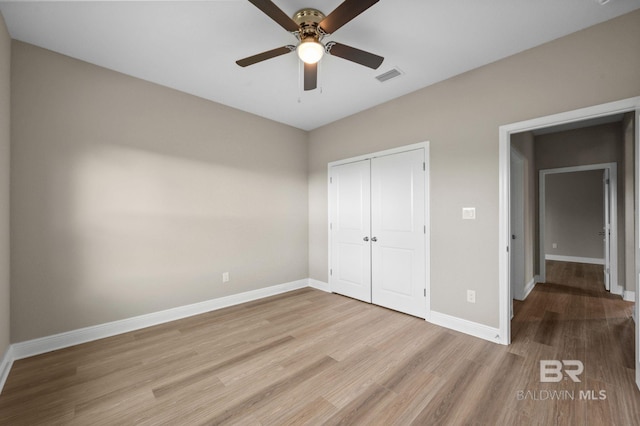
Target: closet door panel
{"points": [[398, 232], [350, 193]]}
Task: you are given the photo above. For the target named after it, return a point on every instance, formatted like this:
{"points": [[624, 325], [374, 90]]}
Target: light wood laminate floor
{"points": [[308, 357]]}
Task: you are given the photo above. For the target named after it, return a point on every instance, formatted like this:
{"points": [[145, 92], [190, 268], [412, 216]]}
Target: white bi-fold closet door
{"points": [[378, 232]]}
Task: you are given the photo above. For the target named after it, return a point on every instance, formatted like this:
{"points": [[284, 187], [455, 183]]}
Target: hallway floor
{"points": [[572, 317]]}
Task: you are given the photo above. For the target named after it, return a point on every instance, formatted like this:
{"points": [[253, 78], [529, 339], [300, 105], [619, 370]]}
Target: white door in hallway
{"points": [[398, 232], [350, 227]]}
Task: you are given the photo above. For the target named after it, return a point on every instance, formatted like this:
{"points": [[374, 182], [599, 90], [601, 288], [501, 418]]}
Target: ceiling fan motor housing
{"points": [[308, 20]]}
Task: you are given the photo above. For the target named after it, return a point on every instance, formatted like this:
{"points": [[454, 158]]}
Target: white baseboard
{"points": [[465, 326], [5, 366], [528, 287], [629, 296], [75, 337], [320, 285], [575, 259], [88, 334]]}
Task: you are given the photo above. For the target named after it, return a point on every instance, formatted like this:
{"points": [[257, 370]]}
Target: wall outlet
{"points": [[471, 296], [225, 277], [554, 245], [469, 213]]}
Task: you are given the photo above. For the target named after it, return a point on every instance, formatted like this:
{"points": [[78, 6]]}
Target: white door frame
{"points": [[613, 205], [420, 145], [636, 311], [505, 131]]}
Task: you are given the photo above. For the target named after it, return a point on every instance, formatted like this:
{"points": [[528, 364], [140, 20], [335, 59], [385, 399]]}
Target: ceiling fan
{"points": [[310, 26]]}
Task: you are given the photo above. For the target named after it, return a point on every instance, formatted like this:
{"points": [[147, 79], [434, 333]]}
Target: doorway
{"points": [[589, 229], [568, 118]]}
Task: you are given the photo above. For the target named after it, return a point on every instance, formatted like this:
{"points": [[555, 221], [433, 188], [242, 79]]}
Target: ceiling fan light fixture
{"points": [[310, 51]]}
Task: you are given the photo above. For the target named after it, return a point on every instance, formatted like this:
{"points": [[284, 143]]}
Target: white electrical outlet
{"points": [[469, 213], [471, 296], [554, 245], [225, 277]]}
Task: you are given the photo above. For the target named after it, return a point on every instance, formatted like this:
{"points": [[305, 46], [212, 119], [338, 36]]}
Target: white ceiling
{"points": [[193, 46]]}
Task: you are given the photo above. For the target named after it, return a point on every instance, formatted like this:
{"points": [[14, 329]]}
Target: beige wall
{"points": [[460, 117], [5, 133], [574, 214], [588, 145], [130, 198]]}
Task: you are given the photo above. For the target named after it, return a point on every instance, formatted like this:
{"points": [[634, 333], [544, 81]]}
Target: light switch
{"points": [[468, 212]]}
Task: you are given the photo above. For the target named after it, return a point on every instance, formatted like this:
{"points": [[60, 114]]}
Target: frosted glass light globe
{"points": [[310, 51]]}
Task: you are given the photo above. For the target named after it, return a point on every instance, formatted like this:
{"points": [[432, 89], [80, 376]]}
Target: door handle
{"points": [[365, 239], [374, 239]]}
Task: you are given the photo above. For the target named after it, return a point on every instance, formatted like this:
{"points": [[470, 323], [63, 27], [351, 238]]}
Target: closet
{"points": [[378, 228]]}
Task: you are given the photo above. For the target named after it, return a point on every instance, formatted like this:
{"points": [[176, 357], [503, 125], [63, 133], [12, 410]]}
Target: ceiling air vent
{"points": [[395, 72]]}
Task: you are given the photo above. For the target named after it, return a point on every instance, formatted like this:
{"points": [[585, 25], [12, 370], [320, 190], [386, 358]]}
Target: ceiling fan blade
{"points": [[310, 76], [264, 56], [354, 55], [275, 13], [344, 13]]}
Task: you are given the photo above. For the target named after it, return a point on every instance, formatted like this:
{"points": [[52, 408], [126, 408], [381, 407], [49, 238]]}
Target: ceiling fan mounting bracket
{"points": [[308, 20], [308, 16]]}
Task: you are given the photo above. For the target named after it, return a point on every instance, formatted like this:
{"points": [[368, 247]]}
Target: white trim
{"points": [[5, 366], [475, 329], [83, 335], [71, 338], [575, 259], [528, 288], [505, 298], [504, 142], [391, 151], [88, 334], [319, 285], [636, 220], [629, 296]]}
